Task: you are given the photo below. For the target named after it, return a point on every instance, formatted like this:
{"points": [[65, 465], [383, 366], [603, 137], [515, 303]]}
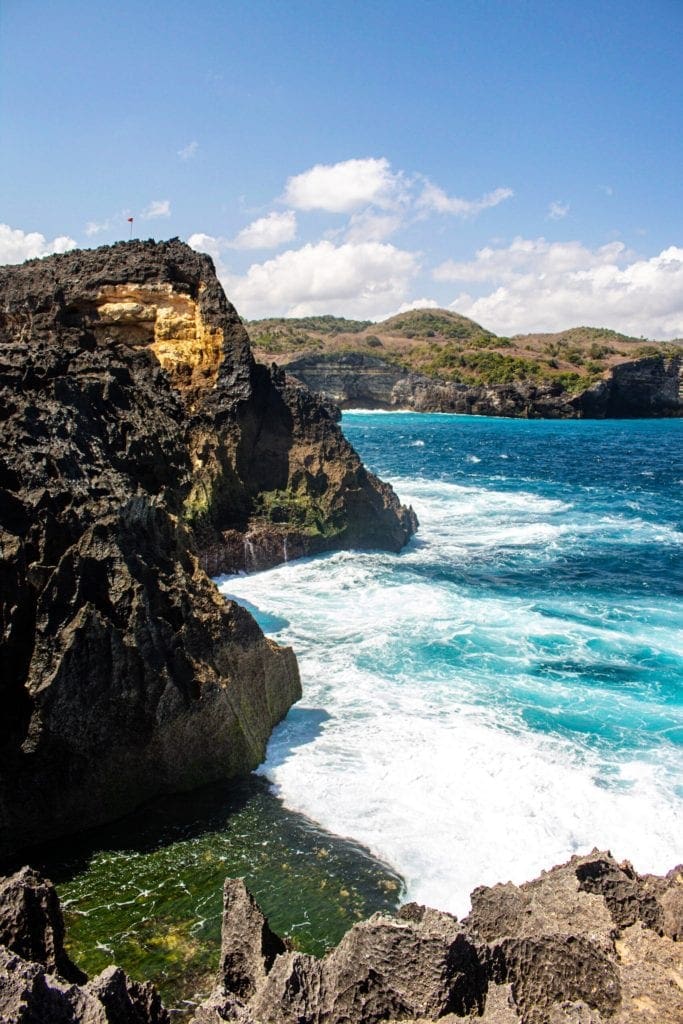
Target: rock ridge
{"points": [[588, 942]]}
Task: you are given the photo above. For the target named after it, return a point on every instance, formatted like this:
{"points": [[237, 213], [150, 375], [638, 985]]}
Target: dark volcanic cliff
{"points": [[141, 440], [651, 386]]}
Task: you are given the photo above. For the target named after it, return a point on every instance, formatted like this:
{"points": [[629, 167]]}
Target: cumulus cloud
{"points": [[365, 279], [549, 286], [157, 208], [528, 256], [436, 200], [345, 186], [267, 232], [406, 307], [207, 243], [189, 151], [17, 245], [557, 210]]}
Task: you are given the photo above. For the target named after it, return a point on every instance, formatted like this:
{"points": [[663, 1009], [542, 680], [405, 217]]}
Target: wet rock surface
{"points": [[546, 952], [142, 446], [644, 387]]}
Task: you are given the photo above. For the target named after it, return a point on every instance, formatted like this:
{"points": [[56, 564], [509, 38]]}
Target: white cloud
{"points": [[189, 151], [435, 199], [365, 279], [94, 227], [267, 232], [157, 208], [544, 286], [406, 307], [528, 256], [345, 186], [558, 210], [367, 226], [207, 243], [17, 245]]}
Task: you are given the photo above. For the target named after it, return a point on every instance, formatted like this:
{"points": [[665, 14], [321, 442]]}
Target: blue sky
{"points": [[518, 161]]}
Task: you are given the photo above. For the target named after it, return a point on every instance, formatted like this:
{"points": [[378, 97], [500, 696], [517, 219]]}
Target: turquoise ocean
{"points": [[508, 690]]}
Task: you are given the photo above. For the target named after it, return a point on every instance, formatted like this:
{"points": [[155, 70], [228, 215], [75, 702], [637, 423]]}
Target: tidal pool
{"points": [[146, 891]]}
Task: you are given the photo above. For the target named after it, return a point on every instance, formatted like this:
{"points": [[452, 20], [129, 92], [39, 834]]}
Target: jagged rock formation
{"points": [[31, 923], [589, 942], [141, 446], [651, 386], [39, 984]]}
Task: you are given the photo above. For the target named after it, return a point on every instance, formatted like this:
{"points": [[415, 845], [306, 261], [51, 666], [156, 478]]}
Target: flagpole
{"points": [[130, 221]]}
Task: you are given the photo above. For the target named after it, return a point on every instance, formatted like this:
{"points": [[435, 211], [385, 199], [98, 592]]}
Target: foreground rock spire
{"points": [[142, 446]]}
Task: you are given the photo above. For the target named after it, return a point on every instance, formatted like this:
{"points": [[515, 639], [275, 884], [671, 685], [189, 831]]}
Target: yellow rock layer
{"points": [[168, 322]]}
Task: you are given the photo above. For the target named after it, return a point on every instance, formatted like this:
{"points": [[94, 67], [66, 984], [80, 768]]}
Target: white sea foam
{"points": [[494, 515], [432, 727], [377, 412], [453, 801]]}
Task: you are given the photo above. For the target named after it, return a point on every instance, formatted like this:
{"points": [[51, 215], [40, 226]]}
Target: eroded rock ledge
{"points": [[646, 387], [142, 446], [589, 942]]}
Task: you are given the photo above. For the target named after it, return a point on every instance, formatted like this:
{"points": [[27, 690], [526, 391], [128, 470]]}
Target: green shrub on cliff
{"points": [[426, 323], [295, 509]]}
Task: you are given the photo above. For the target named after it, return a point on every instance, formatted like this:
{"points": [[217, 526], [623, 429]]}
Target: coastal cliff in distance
{"points": [[436, 361], [142, 445]]}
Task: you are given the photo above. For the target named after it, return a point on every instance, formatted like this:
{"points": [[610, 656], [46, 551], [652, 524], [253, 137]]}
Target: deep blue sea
{"points": [[508, 690]]}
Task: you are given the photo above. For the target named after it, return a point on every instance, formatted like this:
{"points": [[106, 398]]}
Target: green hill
{"points": [[441, 343]]}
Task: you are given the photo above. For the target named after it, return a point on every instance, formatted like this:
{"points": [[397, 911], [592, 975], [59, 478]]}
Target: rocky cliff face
{"points": [[589, 942], [645, 387], [142, 445]]}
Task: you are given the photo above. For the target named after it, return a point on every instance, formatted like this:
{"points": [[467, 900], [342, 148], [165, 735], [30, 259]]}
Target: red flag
{"points": [[130, 220]]}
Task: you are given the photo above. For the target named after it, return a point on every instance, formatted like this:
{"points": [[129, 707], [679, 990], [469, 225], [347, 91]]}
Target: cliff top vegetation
{"points": [[443, 344]]}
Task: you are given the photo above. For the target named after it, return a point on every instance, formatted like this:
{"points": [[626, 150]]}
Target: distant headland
{"points": [[434, 360]]}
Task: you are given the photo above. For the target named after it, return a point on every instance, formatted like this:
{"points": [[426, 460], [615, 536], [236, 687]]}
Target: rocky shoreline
{"points": [[144, 449], [647, 387], [588, 942]]}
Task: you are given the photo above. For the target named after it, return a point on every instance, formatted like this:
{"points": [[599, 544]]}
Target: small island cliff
{"points": [[142, 448]]}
